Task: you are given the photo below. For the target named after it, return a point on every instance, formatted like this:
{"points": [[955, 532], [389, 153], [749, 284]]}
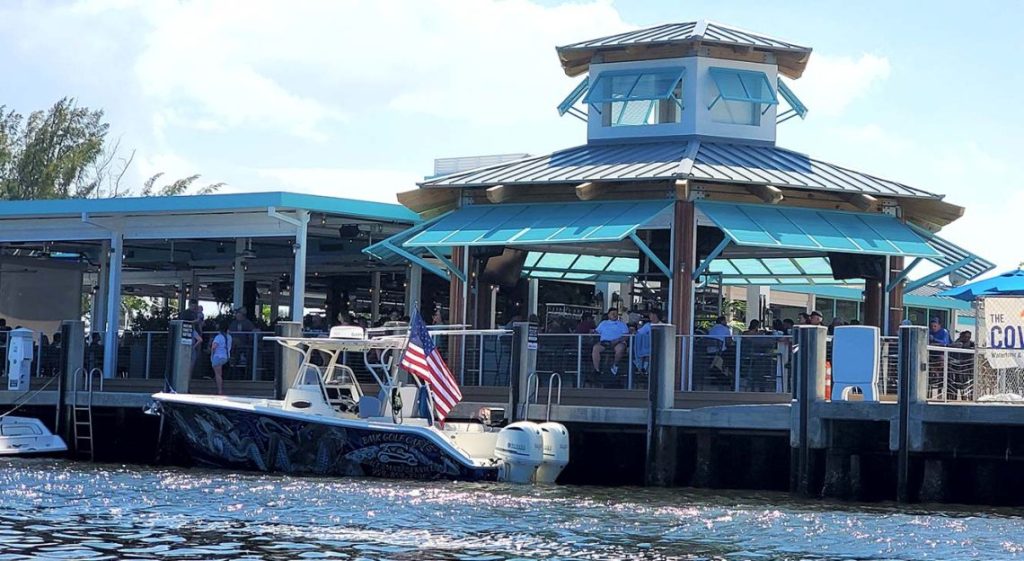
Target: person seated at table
{"points": [[937, 335], [613, 332], [721, 331], [754, 328]]}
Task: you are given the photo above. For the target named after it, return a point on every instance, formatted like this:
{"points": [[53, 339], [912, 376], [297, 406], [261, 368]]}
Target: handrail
{"points": [[536, 393], [555, 376]]}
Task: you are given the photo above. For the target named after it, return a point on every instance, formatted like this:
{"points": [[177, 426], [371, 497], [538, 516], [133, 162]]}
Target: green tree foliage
{"points": [[63, 153], [179, 187], [50, 154]]}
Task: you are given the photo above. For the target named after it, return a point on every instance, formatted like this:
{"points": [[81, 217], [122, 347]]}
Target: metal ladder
{"points": [[81, 415], [534, 380]]}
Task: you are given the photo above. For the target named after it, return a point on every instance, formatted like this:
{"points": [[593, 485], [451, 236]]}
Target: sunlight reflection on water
{"points": [[66, 510]]}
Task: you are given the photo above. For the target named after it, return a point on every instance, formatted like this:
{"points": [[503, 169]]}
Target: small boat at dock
{"points": [[327, 426], [27, 436]]}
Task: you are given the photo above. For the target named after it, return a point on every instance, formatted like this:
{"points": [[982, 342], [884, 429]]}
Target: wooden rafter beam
{"points": [[682, 188], [422, 200], [498, 194], [589, 190], [862, 201], [767, 193]]}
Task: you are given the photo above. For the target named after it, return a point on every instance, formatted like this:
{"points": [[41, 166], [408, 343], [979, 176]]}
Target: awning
{"points": [[816, 230], [568, 266], [770, 271], [538, 224]]}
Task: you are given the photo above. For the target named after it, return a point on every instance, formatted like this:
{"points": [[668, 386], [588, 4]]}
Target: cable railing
{"points": [[736, 363]]}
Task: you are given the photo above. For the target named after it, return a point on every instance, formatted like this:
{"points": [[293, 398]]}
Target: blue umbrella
{"points": [[1010, 283]]}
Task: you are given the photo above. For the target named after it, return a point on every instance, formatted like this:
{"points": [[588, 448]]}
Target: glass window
{"points": [[643, 97], [943, 316], [847, 310], [743, 95], [827, 308], [917, 316]]}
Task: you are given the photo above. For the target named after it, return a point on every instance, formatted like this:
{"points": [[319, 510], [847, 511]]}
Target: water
{"points": [[66, 510]]}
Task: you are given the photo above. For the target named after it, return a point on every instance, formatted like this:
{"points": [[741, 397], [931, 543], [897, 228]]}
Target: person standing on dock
{"points": [[220, 350], [613, 332]]}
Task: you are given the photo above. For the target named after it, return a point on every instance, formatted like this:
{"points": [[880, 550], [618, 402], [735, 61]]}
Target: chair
{"points": [[855, 352]]}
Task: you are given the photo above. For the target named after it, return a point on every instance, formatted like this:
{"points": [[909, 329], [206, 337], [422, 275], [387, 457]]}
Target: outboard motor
{"points": [[520, 447], [556, 451]]}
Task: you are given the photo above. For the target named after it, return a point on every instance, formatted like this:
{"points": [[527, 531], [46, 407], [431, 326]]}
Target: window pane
{"points": [[943, 316], [917, 316], [827, 308], [846, 310]]}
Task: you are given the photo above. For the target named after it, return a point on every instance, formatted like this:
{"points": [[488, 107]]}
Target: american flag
{"points": [[424, 361]]}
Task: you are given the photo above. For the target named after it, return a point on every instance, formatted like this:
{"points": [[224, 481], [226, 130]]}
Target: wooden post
{"points": [[873, 303], [895, 311], [683, 263]]}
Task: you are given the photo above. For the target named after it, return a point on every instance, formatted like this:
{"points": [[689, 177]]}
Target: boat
{"points": [[327, 426], [26, 436]]}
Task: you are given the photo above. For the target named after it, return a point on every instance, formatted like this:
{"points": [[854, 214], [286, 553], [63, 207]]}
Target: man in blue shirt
{"points": [[937, 335], [613, 332]]}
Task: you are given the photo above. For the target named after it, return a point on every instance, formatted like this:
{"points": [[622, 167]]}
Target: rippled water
{"points": [[65, 510]]}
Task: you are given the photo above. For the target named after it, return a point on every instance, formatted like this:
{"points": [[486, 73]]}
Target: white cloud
{"points": [[831, 84], [366, 184]]}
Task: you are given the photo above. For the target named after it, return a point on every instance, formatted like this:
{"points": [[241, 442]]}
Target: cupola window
{"points": [[638, 97], [743, 96]]}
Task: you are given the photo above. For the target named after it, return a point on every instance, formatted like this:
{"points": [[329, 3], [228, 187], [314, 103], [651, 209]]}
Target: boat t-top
{"points": [[327, 425]]}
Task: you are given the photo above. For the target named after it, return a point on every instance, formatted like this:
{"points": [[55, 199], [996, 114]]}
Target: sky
{"points": [[357, 98]]}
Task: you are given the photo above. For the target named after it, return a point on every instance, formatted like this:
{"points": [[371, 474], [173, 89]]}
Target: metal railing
{"points": [[951, 374], [738, 363]]}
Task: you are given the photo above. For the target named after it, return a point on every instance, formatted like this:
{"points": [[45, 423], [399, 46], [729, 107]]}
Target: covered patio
{"points": [[674, 222], [275, 255]]}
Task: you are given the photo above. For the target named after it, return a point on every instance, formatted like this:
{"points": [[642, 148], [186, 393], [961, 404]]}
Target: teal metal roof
{"points": [[701, 160], [185, 204], [692, 31], [857, 293], [775, 271], [568, 266], [538, 224], [815, 229]]}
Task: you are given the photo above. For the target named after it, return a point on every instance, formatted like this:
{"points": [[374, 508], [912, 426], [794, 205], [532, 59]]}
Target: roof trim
{"points": [[203, 204], [678, 39]]}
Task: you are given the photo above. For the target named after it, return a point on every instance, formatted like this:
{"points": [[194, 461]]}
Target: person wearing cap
{"points": [[937, 335], [815, 318]]}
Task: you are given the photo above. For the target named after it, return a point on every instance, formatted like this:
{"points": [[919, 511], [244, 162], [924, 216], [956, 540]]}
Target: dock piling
{"points": [[913, 390], [660, 461], [809, 374]]}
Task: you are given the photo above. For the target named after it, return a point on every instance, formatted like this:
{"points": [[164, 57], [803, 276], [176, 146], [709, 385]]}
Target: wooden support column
{"points": [[684, 251], [457, 312], [873, 302], [456, 289], [895, 311]]}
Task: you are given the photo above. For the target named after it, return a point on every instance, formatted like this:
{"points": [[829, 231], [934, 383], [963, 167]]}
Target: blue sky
{"points": [[357, 98]]}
